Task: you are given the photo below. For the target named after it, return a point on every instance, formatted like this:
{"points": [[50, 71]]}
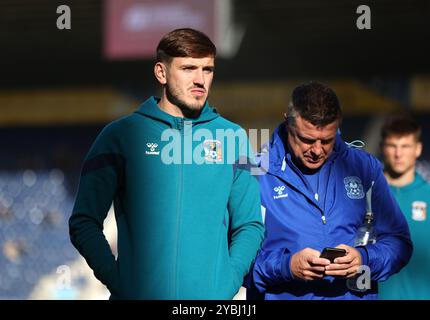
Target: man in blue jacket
{"points": [[313, 196]]}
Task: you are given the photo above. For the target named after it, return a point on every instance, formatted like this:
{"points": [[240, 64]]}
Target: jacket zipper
{"points": [[316, 196], [178, 213], [324, 198], [323, 219]]}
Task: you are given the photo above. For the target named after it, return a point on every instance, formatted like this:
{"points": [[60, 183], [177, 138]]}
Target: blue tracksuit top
{"points": [[294, 221]]}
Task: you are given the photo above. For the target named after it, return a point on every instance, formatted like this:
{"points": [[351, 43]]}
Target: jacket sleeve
{"points": [[272, 265], [271, 269], [393, 247], [246, 225], [98, 185]]}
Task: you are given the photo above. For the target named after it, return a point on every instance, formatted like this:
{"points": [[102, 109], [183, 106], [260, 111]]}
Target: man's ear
{"points": [[160, 72]]}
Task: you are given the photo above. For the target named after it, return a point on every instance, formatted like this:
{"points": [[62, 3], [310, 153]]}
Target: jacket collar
{"points": [[417, 183]]}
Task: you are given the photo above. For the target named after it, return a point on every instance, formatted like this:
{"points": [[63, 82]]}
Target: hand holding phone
{"points": [[332, 253]]}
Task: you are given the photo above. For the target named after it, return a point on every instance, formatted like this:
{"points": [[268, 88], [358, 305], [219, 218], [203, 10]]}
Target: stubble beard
{"points": [[188, 110]]}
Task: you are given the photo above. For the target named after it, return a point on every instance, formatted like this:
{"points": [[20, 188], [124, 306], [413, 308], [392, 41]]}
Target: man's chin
{"points": [[313, 165], [192, 110], [195, 107], [398, 172], [194, 103]]}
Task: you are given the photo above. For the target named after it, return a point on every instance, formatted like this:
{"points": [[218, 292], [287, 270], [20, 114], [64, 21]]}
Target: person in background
{"points": [[401, 147], [314, 196], [186, 205]]}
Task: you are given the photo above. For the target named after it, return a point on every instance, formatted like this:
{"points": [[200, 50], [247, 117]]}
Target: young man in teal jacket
{"points": [[179, 175], [402, 146]]}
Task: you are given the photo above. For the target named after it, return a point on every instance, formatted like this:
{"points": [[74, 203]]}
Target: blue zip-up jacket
{"points": [[294, 220]]}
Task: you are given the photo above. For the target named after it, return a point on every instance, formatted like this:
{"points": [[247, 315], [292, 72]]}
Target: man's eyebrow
{"points": [[305, 138], [195, 66], [300, 135], [188, 65]]}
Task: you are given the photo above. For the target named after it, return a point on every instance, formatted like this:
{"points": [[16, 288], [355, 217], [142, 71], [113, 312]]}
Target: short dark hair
{"points": [[400, 125], [185, 42], [316, 103]]}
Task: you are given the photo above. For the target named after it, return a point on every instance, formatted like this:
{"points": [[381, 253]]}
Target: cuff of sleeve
{"points": [[364, 255], [285, 267]]}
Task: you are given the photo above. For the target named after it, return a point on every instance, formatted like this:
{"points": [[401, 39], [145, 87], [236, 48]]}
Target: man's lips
{"points": [[198, 92], [312, 160]]}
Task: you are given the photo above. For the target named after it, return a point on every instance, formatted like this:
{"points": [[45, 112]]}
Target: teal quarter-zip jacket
{"points": [[186, 205], [413, 281]]}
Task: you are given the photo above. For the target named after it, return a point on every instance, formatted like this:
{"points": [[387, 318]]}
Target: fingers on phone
{"points": [[320, 261], [338, 273], [319, 269], [336, 266]]}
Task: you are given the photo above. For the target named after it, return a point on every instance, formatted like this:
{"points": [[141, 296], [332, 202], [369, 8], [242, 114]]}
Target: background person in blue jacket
{"points": [[402, 146], [313, 196], [189, 223]]}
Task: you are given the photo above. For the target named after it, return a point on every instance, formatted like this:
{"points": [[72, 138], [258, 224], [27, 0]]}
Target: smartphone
{"points": [[332, 253]]}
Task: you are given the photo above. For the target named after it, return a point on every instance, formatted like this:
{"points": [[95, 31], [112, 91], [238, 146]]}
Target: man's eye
{"points": [[328, 141], [312, 141], [188, 68], [306, 140]]}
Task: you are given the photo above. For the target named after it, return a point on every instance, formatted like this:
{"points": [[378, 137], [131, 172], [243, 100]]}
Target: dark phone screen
{"points": [[332, 253]]}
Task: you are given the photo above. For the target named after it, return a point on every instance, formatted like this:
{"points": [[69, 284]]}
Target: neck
{"points": [[400, 180], [170, 108]]}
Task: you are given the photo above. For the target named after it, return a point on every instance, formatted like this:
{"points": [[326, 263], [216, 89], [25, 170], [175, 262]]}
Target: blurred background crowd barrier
{"points": [[58, 88]]}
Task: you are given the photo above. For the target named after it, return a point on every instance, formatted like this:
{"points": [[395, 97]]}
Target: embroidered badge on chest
{"points": [[419, 210], [213, 150], [354, 187]]}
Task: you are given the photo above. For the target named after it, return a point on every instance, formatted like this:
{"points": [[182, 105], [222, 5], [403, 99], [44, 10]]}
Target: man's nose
{"points": [[316, 148], [397, 152], [199, 77]]}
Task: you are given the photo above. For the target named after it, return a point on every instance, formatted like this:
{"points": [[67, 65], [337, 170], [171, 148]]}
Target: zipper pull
{"points": [[180, 124], [323, 219]]}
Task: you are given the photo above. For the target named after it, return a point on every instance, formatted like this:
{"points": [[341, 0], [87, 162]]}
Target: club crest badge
{"points": [[354, 187], [213, 150], [419, 210]]}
